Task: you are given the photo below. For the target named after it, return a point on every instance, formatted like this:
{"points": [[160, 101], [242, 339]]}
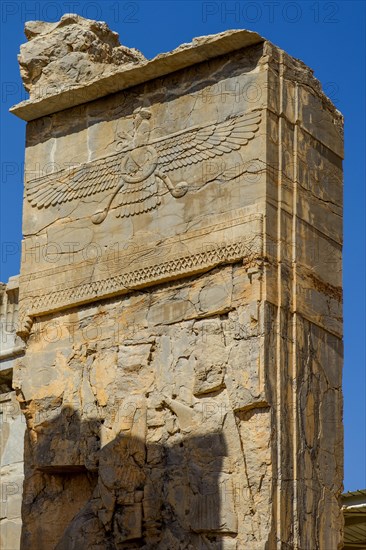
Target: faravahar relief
{"points": [[134, 173]]}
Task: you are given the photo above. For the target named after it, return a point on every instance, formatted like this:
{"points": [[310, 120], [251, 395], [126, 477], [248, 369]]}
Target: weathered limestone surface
{"points": [[11, 479], [12, 421], [59, 56], [53, 98], [180, 297]]}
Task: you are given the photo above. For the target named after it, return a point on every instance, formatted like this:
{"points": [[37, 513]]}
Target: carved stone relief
{"points": [[178, 311]]}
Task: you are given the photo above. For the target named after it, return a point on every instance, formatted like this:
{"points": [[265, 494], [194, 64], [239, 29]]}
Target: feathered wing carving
{"points": [[199, 144], [137, 198], [75, 183], [174, 151]]}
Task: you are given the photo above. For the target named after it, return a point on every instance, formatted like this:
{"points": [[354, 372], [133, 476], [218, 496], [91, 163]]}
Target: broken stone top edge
{"points": [[200, 49], [34, 29], [116, 77]]}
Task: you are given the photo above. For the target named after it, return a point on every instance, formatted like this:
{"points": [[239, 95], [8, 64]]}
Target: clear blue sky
{"points": [[327, 36]]}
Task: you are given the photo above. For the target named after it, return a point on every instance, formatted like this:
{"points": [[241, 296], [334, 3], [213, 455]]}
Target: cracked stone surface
{"points": [[74, 50], [180, 297]]}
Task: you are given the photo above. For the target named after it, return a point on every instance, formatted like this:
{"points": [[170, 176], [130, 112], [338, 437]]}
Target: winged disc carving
{"points": [[134, 172]]}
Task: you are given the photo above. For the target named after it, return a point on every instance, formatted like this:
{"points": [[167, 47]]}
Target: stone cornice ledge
{"points": [[200, 49]]}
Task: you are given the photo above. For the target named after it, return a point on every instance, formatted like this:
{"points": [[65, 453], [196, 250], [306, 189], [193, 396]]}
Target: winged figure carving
{"points": [[132, 175]]}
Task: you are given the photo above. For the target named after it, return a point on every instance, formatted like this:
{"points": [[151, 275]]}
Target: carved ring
{"points": [[150, 167]]}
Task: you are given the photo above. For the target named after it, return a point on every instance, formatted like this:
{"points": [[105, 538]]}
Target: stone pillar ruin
{"points": [[12, 421], [180, 296]]}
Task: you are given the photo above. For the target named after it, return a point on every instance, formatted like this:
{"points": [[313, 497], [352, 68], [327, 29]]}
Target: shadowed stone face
{"points": [[181, 379]]}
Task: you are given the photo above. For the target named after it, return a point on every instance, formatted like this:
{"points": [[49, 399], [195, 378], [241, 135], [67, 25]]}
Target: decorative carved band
{"points": [[239, 239], [138, 278]]}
